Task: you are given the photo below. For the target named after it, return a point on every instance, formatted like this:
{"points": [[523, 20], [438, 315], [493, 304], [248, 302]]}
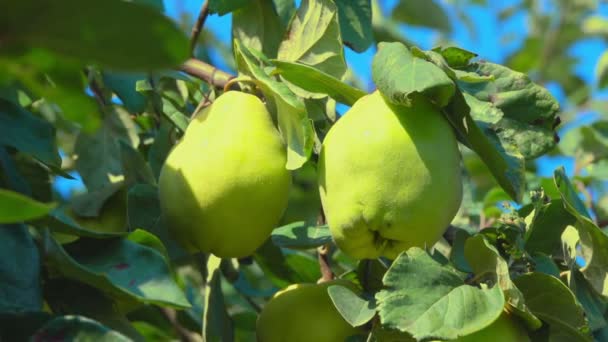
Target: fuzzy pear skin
{"points": [[504, 329], [224, 186], [389, 177], [303, 313]]}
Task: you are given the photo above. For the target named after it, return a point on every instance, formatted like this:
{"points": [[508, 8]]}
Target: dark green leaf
{"points": [[15, 207], [135, 168], [283, 270], [21, 326], [552, 301], [455, 56], [222, 7], [144, 213], [594, 304], [505, 163], [28, 133], [285, 9], [217, 325], [316, 81], [19, 271], [422, 13], [354, 309], [175, 113], [294, 124], [160, 148], [301, 235], [144, 37], [99, 155], [485, 260], [121, 268], [521, 113], [123, 85], [77, 328], [428, 300], [63, 295], [593, 242], [398, 74], [355, 23], [544, 232]]}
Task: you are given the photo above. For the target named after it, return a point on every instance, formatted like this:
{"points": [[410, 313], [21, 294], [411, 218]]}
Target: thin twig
{"points": [[95, 88], [185, 334], [198, 26], [326, 272]]}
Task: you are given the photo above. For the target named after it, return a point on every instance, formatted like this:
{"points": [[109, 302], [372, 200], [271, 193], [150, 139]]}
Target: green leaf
{"points": [[146, 39], [544, 232], [217, 325], [601, 70], [485, 259], [121, 268], [594, 304], [59, 81], [430, 301], [316, 81], [593, 242], [28, 133], [222, 7], [595, 25], [295, 127], [63, 295], [21, 326], [258, 27], [283, 269], [313, 38], [555, 304], [300, 235], [422, 13], [398, 74], [175, 113], [124, 86], [15, 208], [355, 23], [143, 208], [135, 168], [19, 271], [456, 57], [354, 309], [99, 155], [504, 162], [77, 328], [160, 148], [58, 221], [521, 113]]}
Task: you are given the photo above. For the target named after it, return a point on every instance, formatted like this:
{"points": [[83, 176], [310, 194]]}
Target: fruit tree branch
{"points": [[198, 26], [206, 72], [326, 272]]}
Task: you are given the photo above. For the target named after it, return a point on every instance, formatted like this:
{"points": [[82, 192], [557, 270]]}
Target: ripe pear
{"points": [[503, 329], [389, 177], [303, 313], [224, 186]]}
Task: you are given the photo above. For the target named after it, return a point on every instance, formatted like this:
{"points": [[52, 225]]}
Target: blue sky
{"points": [[483, 41]]}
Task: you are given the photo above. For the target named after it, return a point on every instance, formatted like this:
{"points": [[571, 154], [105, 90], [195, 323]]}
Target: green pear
{"points": [[504, 329], [303, 313], [389, 177], [224, 186]]}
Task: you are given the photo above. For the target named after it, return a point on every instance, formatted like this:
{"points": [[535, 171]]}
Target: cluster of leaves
{"points": [[102, 95]]}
